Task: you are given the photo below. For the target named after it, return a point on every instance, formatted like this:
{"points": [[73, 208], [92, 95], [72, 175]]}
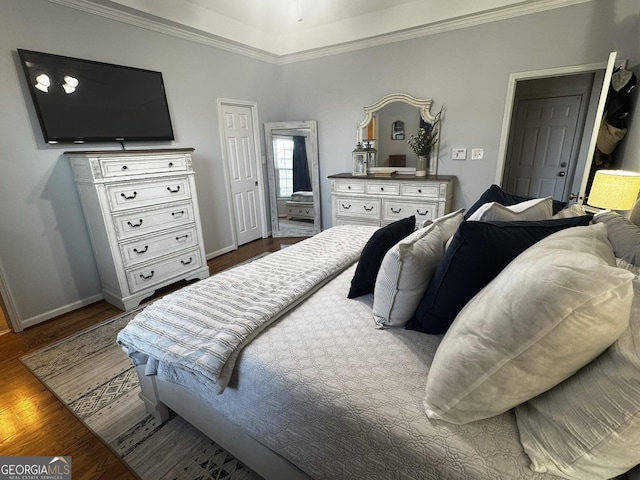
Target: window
{"points": [[283, 158]]}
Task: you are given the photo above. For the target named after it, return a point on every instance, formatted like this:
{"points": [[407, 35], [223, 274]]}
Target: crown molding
{"points": [[211, 40]]}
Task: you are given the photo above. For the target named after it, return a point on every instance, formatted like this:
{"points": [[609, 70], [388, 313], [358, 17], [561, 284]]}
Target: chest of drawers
{"points": [[380, 200], [141, 210]]}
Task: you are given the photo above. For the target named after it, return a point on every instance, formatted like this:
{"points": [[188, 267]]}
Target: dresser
{"points": [[376, 200], [141, 211]]}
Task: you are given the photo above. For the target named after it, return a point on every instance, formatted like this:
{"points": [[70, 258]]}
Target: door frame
{"points": [[253, 106], [8, 304], [514, 78]]}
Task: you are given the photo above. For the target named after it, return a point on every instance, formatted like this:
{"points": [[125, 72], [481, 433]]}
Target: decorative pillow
{"points": [[623, 235], [478, 252], [536, 209], [407, 269], [551, 311], [374, 251], [589, 426], [574, 210], [495, 194]]}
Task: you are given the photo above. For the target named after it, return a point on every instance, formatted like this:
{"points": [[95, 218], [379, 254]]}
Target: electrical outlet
{"points": [[459, 154], [477, 154]]}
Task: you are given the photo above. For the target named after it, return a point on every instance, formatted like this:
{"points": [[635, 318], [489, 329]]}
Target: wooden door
{"points": [[544, 146], [243, 168]]}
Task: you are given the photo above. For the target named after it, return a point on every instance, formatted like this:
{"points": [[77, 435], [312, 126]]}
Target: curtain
{"points": [[301, 178]]}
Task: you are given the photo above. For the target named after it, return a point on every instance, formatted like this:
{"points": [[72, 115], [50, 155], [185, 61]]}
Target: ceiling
{"points": [[289, 30]]}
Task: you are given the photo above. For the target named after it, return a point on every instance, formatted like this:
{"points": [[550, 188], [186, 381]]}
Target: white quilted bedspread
{"points": [[202, 328], [343, 400]]}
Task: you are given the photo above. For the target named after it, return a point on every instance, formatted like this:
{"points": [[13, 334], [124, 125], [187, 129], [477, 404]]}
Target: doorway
{"points": [[544, 140], [594, 111], [241, 151]]}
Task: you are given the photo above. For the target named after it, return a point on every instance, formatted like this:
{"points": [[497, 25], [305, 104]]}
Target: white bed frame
{"points": [[160, 397]]}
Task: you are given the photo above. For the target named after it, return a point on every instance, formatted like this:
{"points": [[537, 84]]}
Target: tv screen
{"points": [[86, 101]]}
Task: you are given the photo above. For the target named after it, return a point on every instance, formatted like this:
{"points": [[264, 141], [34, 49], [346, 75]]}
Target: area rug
{"points": [[93, 378]]}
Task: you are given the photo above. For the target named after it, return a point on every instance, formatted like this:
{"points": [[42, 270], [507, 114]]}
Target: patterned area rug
{"points": [[94, 378]]}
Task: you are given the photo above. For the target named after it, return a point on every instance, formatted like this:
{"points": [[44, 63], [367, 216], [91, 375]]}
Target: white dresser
{"points": [[142, 214], [382, 200]]}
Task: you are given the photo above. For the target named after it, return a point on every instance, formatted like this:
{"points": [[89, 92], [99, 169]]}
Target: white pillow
{"points": [[552, 310], [535, 209], [407, 269], [588, 427], [574, 210]]}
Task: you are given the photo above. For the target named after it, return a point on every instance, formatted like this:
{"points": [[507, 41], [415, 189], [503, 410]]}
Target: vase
{"points": [[422, 165]]}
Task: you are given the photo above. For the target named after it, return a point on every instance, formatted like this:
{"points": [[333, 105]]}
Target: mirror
{"points": [[383, 122], [294, 178]]}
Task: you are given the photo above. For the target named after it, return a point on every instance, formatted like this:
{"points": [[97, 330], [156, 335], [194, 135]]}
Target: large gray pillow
{"points": [[551, 311], [534, 209], [407, 269], [588, 427], [623, 235]]}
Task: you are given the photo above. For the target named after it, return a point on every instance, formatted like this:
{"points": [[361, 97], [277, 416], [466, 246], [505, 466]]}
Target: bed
{"points": [[300, 205], [319, 385]]}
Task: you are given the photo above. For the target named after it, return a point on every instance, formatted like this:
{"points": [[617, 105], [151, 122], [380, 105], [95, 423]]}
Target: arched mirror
{"points": [[380, 129], [294, 177]]}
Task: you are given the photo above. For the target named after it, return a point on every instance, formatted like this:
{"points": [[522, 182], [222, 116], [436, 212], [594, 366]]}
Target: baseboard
{"points": [[222, 251], [30, 322]]}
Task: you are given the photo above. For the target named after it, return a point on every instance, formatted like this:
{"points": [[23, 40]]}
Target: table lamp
{"points": [[614, 189]]}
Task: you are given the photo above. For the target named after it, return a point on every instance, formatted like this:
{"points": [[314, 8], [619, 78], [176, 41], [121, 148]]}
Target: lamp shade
{"points": [[614, 189]]}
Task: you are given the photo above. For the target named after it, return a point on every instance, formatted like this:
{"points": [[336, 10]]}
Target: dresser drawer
{"points": [[124, 167], [358, 207], [144, 221], [396, 210], [151, 192], [348, 187], [155, 273], [383, 188], [151, 247], [421, 190]]}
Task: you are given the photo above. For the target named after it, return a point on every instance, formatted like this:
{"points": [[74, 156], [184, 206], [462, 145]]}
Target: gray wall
{"points": [[45, 254]]}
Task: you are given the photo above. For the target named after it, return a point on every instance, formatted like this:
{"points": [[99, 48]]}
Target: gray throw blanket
{"points": [[202, 327]]}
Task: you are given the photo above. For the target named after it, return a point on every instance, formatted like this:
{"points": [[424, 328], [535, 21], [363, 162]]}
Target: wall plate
{"points": [[459, 154]]}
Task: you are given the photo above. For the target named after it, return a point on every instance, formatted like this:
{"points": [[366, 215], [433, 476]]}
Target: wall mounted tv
{"points": [[81, 101]]}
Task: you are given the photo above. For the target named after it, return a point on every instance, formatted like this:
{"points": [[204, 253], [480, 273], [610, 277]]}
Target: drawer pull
{"points": [[182, 237], [394, 211], [419, 190], [181, 212], [140, 252], [368, 209], [174, 191], [130, 197], [135, 225], [349, 187], [170, 164], [124, 167], [382, 189], [346, 207], [147, 277], [183, 262], [422, 214]]}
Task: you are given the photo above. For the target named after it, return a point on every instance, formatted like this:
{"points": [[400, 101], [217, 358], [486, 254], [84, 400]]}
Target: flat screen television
{"points": [[81, 101]]}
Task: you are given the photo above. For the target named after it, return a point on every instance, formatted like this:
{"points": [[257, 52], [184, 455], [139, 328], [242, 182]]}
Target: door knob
{"points": [[561, 174]]}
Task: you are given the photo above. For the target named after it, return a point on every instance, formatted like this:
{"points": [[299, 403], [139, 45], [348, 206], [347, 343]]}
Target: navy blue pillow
{"points": [[495, 194], [477, 254], [374, 251]]}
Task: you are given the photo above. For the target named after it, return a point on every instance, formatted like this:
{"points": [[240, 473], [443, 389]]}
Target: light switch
{"points": [[459, 154], [477, 154]]}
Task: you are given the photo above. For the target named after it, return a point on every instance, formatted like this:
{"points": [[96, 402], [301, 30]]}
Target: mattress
{"points": [[341, 399]]}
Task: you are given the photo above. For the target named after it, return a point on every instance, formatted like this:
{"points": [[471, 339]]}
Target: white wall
{"points": [[45, 254]]}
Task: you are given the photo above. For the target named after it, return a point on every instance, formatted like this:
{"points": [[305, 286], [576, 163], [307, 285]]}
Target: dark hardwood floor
{"points": [[33, 422]]}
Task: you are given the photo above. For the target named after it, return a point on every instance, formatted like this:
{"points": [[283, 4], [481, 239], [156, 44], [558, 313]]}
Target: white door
{"points": [[583, 195], [244, 171], [544, 146]]}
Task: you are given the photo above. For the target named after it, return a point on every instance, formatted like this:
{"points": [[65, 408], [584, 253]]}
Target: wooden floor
{"points": [[32, 420]]}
